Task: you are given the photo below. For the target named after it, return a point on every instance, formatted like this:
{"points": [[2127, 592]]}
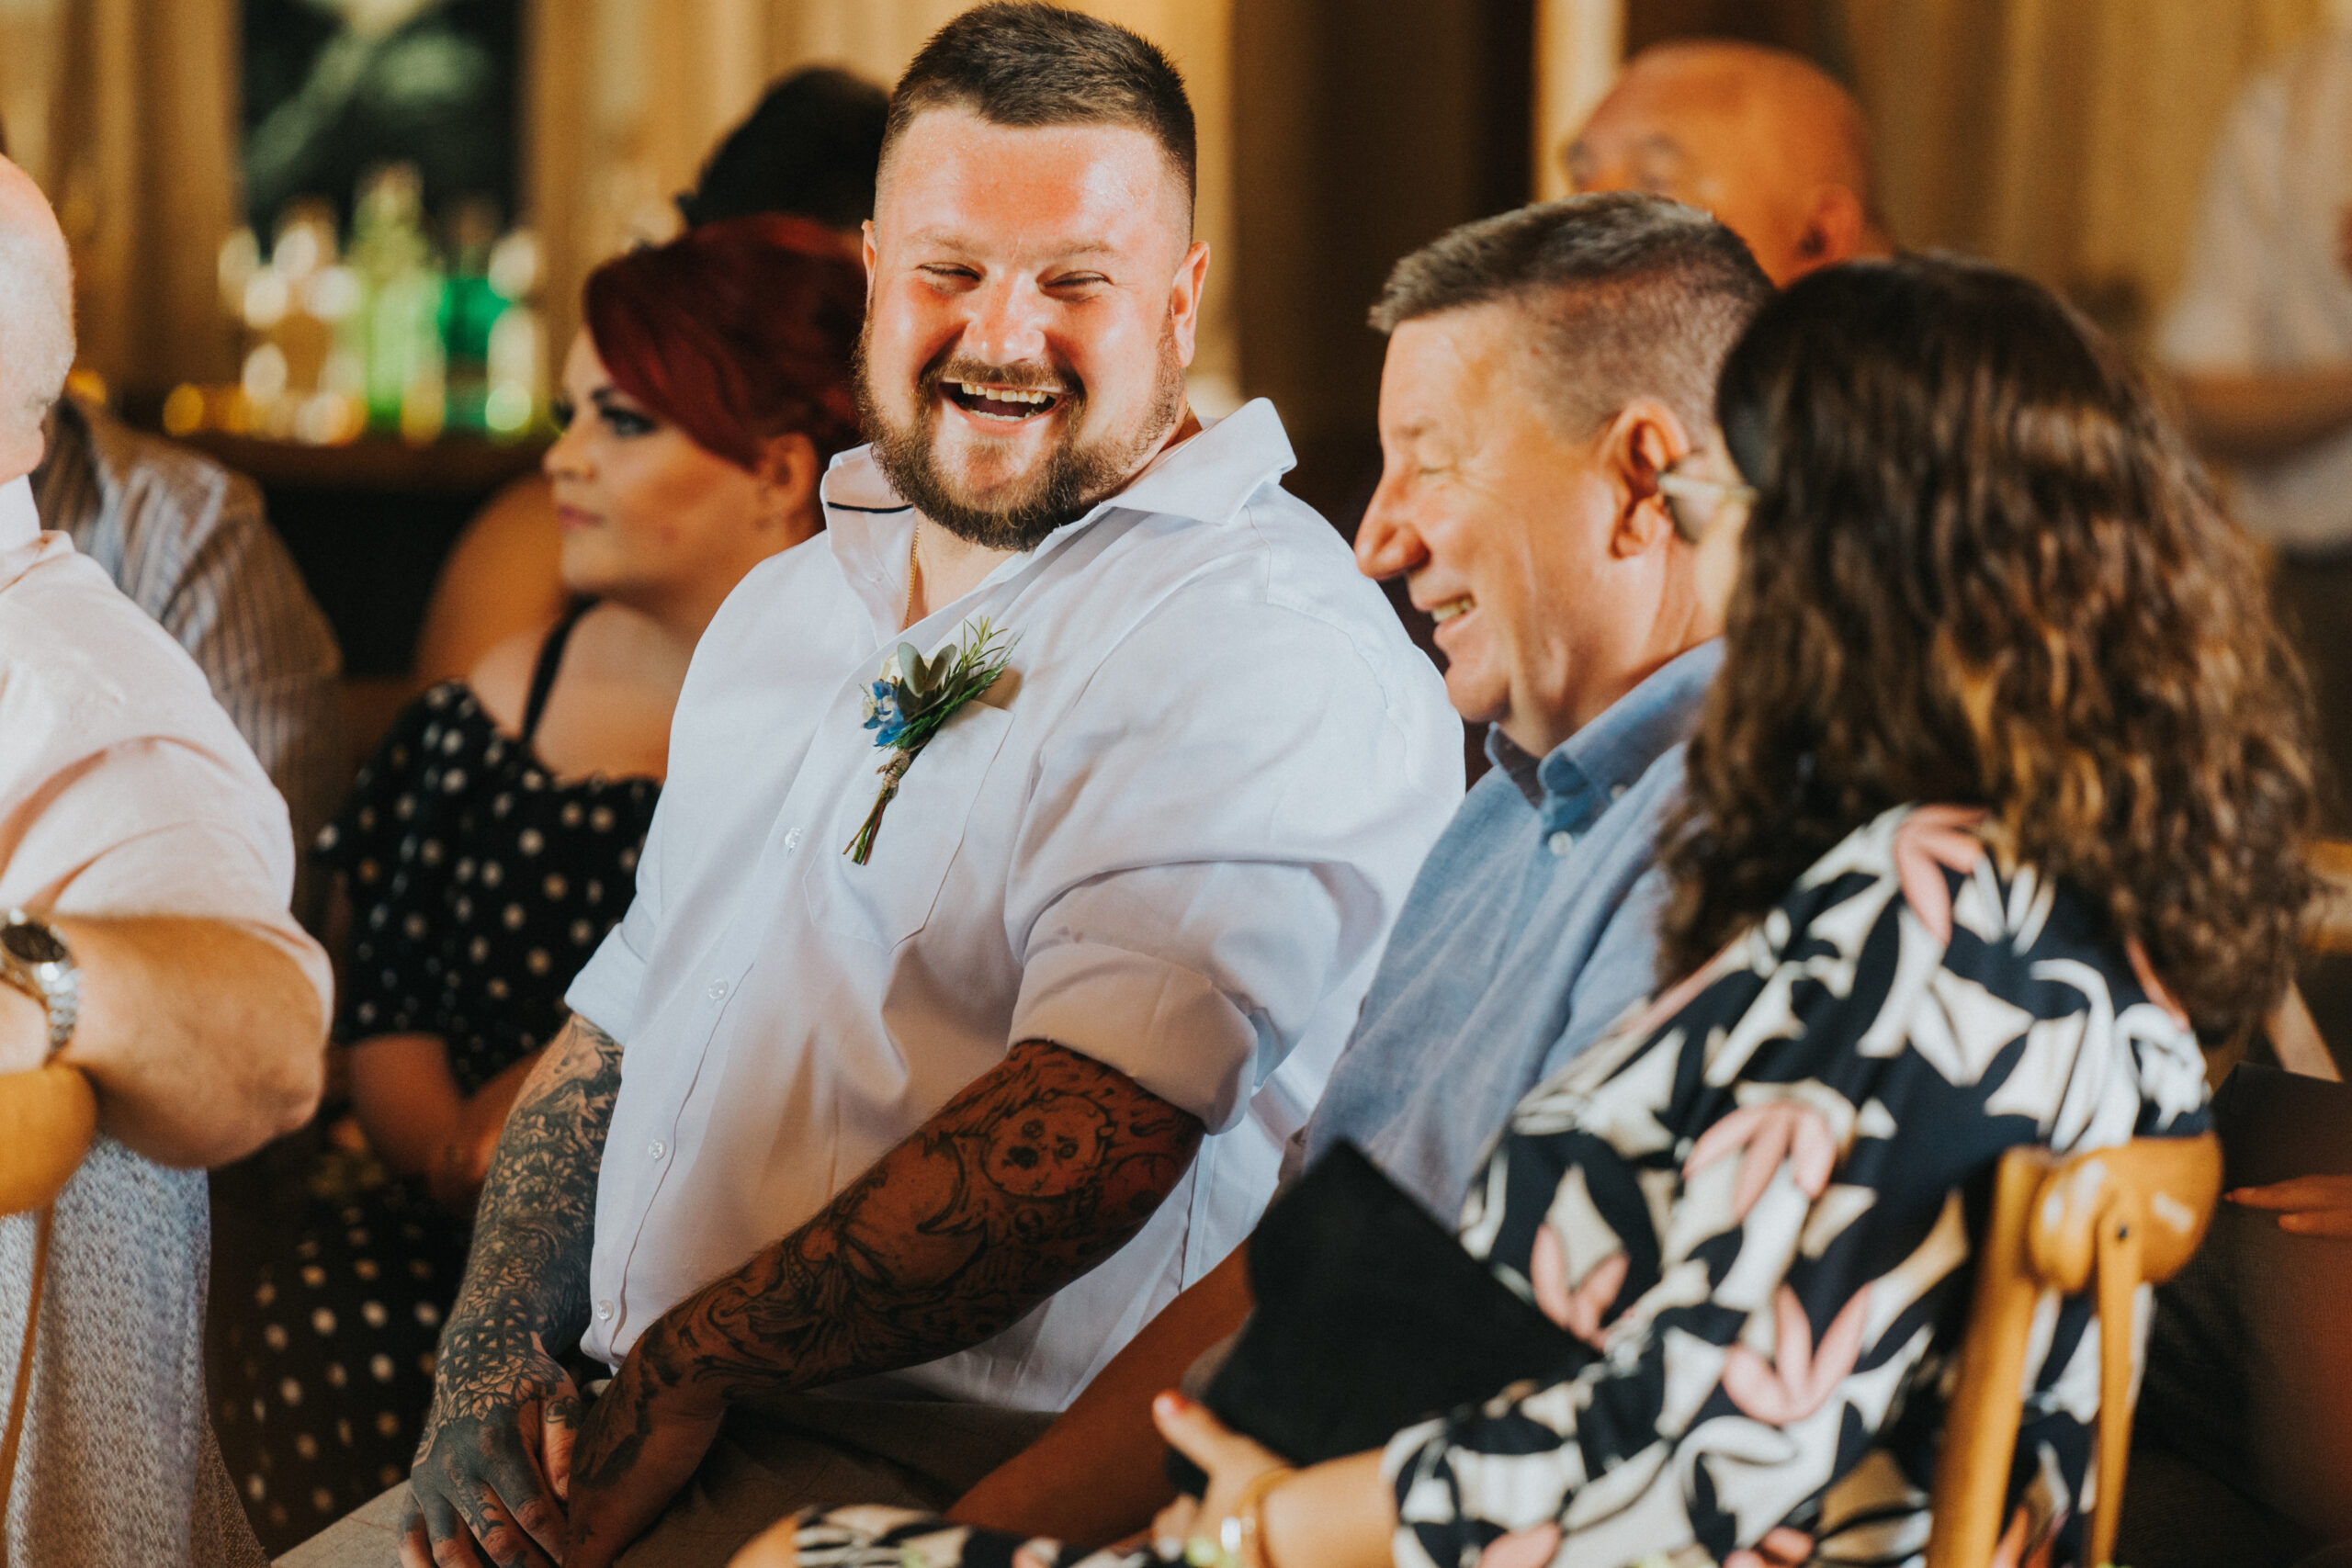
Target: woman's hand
{"points": [[1240, 1470], [2307, 1205], [1335, 1515]]}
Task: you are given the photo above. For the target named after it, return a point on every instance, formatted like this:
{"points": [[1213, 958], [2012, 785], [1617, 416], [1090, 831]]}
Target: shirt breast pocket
{"points": [[890, 897]]}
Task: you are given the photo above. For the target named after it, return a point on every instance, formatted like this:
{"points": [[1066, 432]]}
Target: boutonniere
{"points": [[912, 697]]}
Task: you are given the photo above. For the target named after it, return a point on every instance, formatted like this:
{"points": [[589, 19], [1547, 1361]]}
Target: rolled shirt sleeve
{"points": [[124, 789], [606, 990], [1190, 887]]}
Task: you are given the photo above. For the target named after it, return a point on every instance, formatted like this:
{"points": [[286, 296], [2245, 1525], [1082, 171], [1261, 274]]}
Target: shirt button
{"points": [[604, 1311], [791, 839], [1561, 842], [717, 991], [1616, 792], [656, 1148]]}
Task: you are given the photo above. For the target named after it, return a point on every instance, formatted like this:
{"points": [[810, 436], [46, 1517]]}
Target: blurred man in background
{"points": [[1762, 138], [2260, 343]]}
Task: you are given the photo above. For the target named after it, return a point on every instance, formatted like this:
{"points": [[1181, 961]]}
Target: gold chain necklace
{"points": [[914, 565]]}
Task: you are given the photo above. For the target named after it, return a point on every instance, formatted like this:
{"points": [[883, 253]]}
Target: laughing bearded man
{"points": [[855, 1169]]}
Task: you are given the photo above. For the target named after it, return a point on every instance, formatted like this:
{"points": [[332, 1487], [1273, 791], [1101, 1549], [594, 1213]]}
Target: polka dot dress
{"points": [[479, 886]]}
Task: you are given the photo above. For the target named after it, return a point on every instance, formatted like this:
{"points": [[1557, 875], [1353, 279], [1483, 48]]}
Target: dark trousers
{"points": [[816, 1450]]}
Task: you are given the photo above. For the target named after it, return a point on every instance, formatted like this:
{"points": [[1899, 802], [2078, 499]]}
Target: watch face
{"points": [[31, 944]]}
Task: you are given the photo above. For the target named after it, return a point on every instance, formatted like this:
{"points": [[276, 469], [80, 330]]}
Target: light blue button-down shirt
{"points": [[1532, 928]]}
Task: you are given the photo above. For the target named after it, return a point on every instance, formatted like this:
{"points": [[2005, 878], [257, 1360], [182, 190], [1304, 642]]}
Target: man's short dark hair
{"points": [[1636, 295], [1018, 62], [810, 149]]}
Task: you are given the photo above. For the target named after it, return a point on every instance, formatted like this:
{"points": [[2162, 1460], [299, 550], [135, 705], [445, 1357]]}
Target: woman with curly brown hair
{"points": [[1996, 809]]}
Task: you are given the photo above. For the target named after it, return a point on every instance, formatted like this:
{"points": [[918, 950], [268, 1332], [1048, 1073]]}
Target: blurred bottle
{"points": [[469, 309], [403, 290], [516, 358]]}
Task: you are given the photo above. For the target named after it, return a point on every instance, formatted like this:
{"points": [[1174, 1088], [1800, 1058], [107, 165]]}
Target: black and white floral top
{"points": [[1758, 1203]]}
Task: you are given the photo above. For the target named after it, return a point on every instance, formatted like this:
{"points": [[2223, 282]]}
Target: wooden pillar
{"points": [[1578, 46]]}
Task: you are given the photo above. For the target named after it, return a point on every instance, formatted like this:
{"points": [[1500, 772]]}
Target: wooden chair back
{"points": [[2106, 1219], [48, 1119]]}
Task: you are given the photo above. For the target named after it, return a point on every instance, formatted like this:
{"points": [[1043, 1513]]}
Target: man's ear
{"points": [[1645, 440], [1184, 301], [1833, 228]]}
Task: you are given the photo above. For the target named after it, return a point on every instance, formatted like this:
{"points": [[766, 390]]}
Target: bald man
{"points": [[145, 865], [1762, 139]]}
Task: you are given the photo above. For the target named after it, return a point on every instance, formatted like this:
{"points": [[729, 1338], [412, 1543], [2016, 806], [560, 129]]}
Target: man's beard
{"points": [[1069, 484]]}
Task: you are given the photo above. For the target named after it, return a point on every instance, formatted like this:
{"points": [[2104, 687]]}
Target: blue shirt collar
{"points": [[1573, 786]]}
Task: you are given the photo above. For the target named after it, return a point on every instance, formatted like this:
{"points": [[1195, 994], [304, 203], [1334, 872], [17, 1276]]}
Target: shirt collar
{"points": [[1572, 785], [1208, 478], [19, 522]]}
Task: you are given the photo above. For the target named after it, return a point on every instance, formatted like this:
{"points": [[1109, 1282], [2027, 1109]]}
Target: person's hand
{"points": [[463, 1164], [640, 1441], [778, 1546], [493, 1469], [2308, 1205], [2344, 238], [1239, 1472]]}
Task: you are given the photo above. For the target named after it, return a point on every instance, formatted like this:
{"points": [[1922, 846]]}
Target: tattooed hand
{"points": [[496, 1456], [1035, 1174], [642, 1459], [493, 1469]]}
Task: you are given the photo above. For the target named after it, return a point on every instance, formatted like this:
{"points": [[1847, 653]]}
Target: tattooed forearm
{"points": [[1028, 1178], [482, 1471], [528, 1274]]}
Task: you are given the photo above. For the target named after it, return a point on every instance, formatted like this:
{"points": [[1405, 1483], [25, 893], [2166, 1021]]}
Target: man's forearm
{"points": [[526, 1276], [204, 1040], [1024, 1181], [2261, 418]]}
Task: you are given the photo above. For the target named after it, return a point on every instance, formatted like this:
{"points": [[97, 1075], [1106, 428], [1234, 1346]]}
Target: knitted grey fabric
{"points": [[119, 1468]]}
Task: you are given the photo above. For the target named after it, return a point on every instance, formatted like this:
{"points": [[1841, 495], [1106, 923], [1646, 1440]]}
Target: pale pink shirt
{"points": [[124, 788]]}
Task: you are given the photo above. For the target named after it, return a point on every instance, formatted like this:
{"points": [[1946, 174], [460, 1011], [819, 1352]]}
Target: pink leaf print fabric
{"points": [[1931, 841], [1802, 1375], [1579, 1310], [1764, 1137]]}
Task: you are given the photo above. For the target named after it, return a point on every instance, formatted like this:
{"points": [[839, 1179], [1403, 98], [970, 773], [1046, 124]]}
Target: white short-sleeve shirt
{"points": [[1172, 837], [2264, 289]]}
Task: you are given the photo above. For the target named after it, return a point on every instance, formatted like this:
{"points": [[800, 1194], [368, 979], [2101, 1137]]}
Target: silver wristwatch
{"points": [[36, 962]]}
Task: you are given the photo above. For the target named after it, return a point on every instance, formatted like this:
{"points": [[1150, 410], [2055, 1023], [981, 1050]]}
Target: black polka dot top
{"points": [[479, 885]]}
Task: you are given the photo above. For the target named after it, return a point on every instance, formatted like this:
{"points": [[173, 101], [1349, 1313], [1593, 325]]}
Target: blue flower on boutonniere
{"points": [[913, 698]]}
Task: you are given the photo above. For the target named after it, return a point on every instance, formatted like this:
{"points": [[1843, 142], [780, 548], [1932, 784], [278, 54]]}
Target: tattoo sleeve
{"points": [[1031, 1176], [527, 1274]]}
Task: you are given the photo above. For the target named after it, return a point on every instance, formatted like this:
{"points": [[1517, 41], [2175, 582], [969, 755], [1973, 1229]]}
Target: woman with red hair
{"points": [[492, 840]]}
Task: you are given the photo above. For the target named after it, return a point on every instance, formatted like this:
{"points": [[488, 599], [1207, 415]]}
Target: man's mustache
{"points": [[1027, 377]]}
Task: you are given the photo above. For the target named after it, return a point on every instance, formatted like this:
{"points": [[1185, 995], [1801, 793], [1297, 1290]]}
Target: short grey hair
{"points": [[1632, 296]]}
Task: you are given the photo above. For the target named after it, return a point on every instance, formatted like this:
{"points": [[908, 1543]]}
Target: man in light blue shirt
{"points": [[1532, 928], [1555, 493]]}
